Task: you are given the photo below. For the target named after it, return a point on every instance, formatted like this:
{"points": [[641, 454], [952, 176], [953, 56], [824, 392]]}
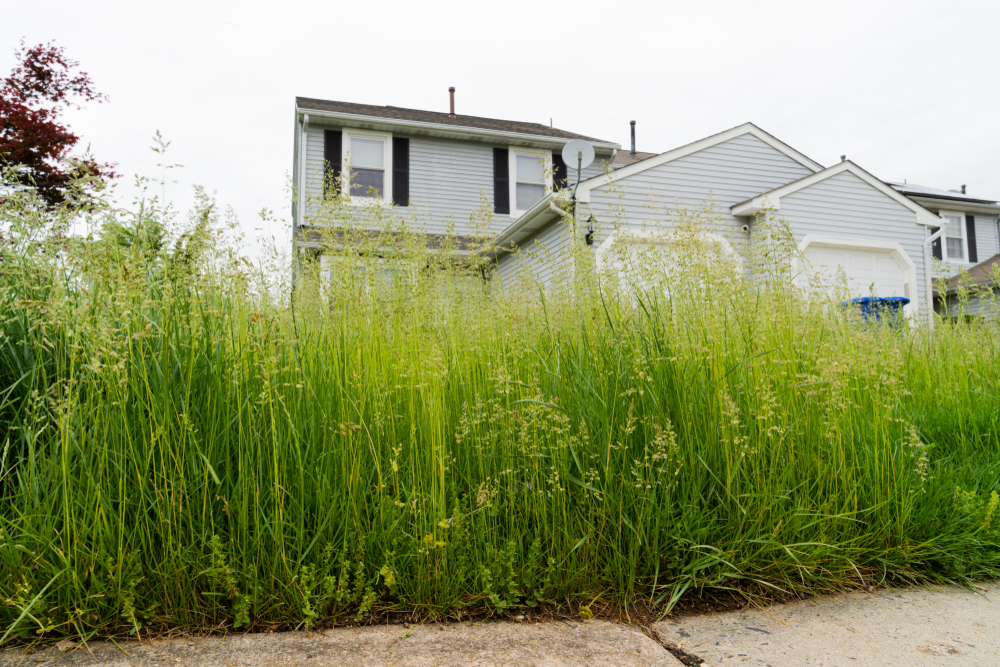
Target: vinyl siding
{"points": [[724, 174], [538, 260], [844, 206], [986, 306], [447, 180]]}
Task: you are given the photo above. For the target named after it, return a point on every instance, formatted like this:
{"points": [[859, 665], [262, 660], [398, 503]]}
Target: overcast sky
{"points": [[908, 90]]}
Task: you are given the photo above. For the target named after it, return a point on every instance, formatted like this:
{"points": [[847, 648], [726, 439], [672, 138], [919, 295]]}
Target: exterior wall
{"points": [[447, 180], [725, 174], [845, 206], [987, 238], [537, 261], [980, 305]]}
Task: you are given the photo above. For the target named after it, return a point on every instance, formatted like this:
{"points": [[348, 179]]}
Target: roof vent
{"points": [[843, 157], [963, 189], [632, 154], [451, 91]]}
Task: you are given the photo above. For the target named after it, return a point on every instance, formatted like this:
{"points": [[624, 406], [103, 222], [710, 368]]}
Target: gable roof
{"points": [[772, 198], [583, 193], [980, 274], [429, 119]]}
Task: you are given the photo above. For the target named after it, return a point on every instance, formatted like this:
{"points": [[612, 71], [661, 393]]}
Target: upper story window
{"points": [[530, 179], [954, 236], [368, 156]]}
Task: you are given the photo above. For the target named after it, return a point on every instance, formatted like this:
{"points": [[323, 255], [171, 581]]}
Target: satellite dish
{"points": [[574, 151]]}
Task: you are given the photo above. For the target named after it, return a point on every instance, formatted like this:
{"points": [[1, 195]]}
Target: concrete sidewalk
{"points": [[507, 644], [906, 628], [901, 628]]}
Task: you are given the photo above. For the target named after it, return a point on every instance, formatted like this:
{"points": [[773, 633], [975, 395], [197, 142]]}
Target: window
{"points": [[368, 156], [954, 236], [530, 177]]}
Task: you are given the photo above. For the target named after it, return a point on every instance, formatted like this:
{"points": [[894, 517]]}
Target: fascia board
{"points": [[583, 194], [756, 205], [452, 131]]}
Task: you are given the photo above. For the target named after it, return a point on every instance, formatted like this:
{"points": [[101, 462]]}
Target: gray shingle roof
{"points": [[980, 274], [416, 115]]}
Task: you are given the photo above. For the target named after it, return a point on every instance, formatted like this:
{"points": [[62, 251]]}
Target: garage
{"points": [[871, 268], [646, 258]]}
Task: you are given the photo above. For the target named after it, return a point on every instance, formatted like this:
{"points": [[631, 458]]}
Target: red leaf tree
{"points": [[42, 85]]}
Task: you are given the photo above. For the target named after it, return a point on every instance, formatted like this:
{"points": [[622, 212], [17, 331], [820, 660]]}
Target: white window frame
{"points": [[386, 137], [512, 175], [964, 259]]}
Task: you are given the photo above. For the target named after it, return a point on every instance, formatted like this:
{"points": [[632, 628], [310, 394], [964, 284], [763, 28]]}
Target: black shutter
{"points": [[501, 181], [560, 173], [970, 230], [400, 171], [332, 155], [936, 246]]}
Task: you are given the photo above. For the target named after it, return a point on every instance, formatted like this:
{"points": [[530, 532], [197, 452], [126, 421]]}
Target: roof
{"points": [[439, 118], [623, 158], [656, 160], [980, 274], [772, 198], [935, 193]]}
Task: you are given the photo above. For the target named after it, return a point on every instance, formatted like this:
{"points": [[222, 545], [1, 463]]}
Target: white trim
{"points": [[655, 236], [386, 138], [448, 130], [513, 152], [772, 199], [583, 194], [895, 250], [964, 259]]}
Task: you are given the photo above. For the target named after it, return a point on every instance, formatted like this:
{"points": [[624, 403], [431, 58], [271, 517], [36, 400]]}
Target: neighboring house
{"points": [[971, 233], [440, 166], [982, 291]]}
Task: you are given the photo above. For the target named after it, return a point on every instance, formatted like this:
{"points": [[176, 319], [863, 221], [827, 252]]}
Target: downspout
{"points": [[302, 169], [928, 278]]}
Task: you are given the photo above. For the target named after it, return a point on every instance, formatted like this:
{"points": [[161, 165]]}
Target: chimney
{"points": [[632, 154], [451, 91], [963, 189], [843, 157]]}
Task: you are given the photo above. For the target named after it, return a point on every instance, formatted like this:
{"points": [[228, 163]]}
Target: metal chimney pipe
{"points": [[843, 157], [451, 91], [632, 154], [963, 189]]}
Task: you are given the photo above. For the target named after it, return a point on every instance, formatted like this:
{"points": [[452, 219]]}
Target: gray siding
{"points": [[447, 180], [983, 305], [538, 260], [987, 238], [725, 174], [847, 207]]}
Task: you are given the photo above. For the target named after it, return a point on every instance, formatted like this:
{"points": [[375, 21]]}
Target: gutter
{"points": [[928, 279], [519, 224]]}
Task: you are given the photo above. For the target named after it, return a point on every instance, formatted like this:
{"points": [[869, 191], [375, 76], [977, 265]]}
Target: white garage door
{"points": [[868, 271]]}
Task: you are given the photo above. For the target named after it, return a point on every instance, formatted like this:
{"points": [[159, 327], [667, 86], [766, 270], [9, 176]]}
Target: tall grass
{"points": [[186, 445]]}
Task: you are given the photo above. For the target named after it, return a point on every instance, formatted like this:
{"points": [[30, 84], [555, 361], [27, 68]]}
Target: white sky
{"points": [[908, 90]]}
